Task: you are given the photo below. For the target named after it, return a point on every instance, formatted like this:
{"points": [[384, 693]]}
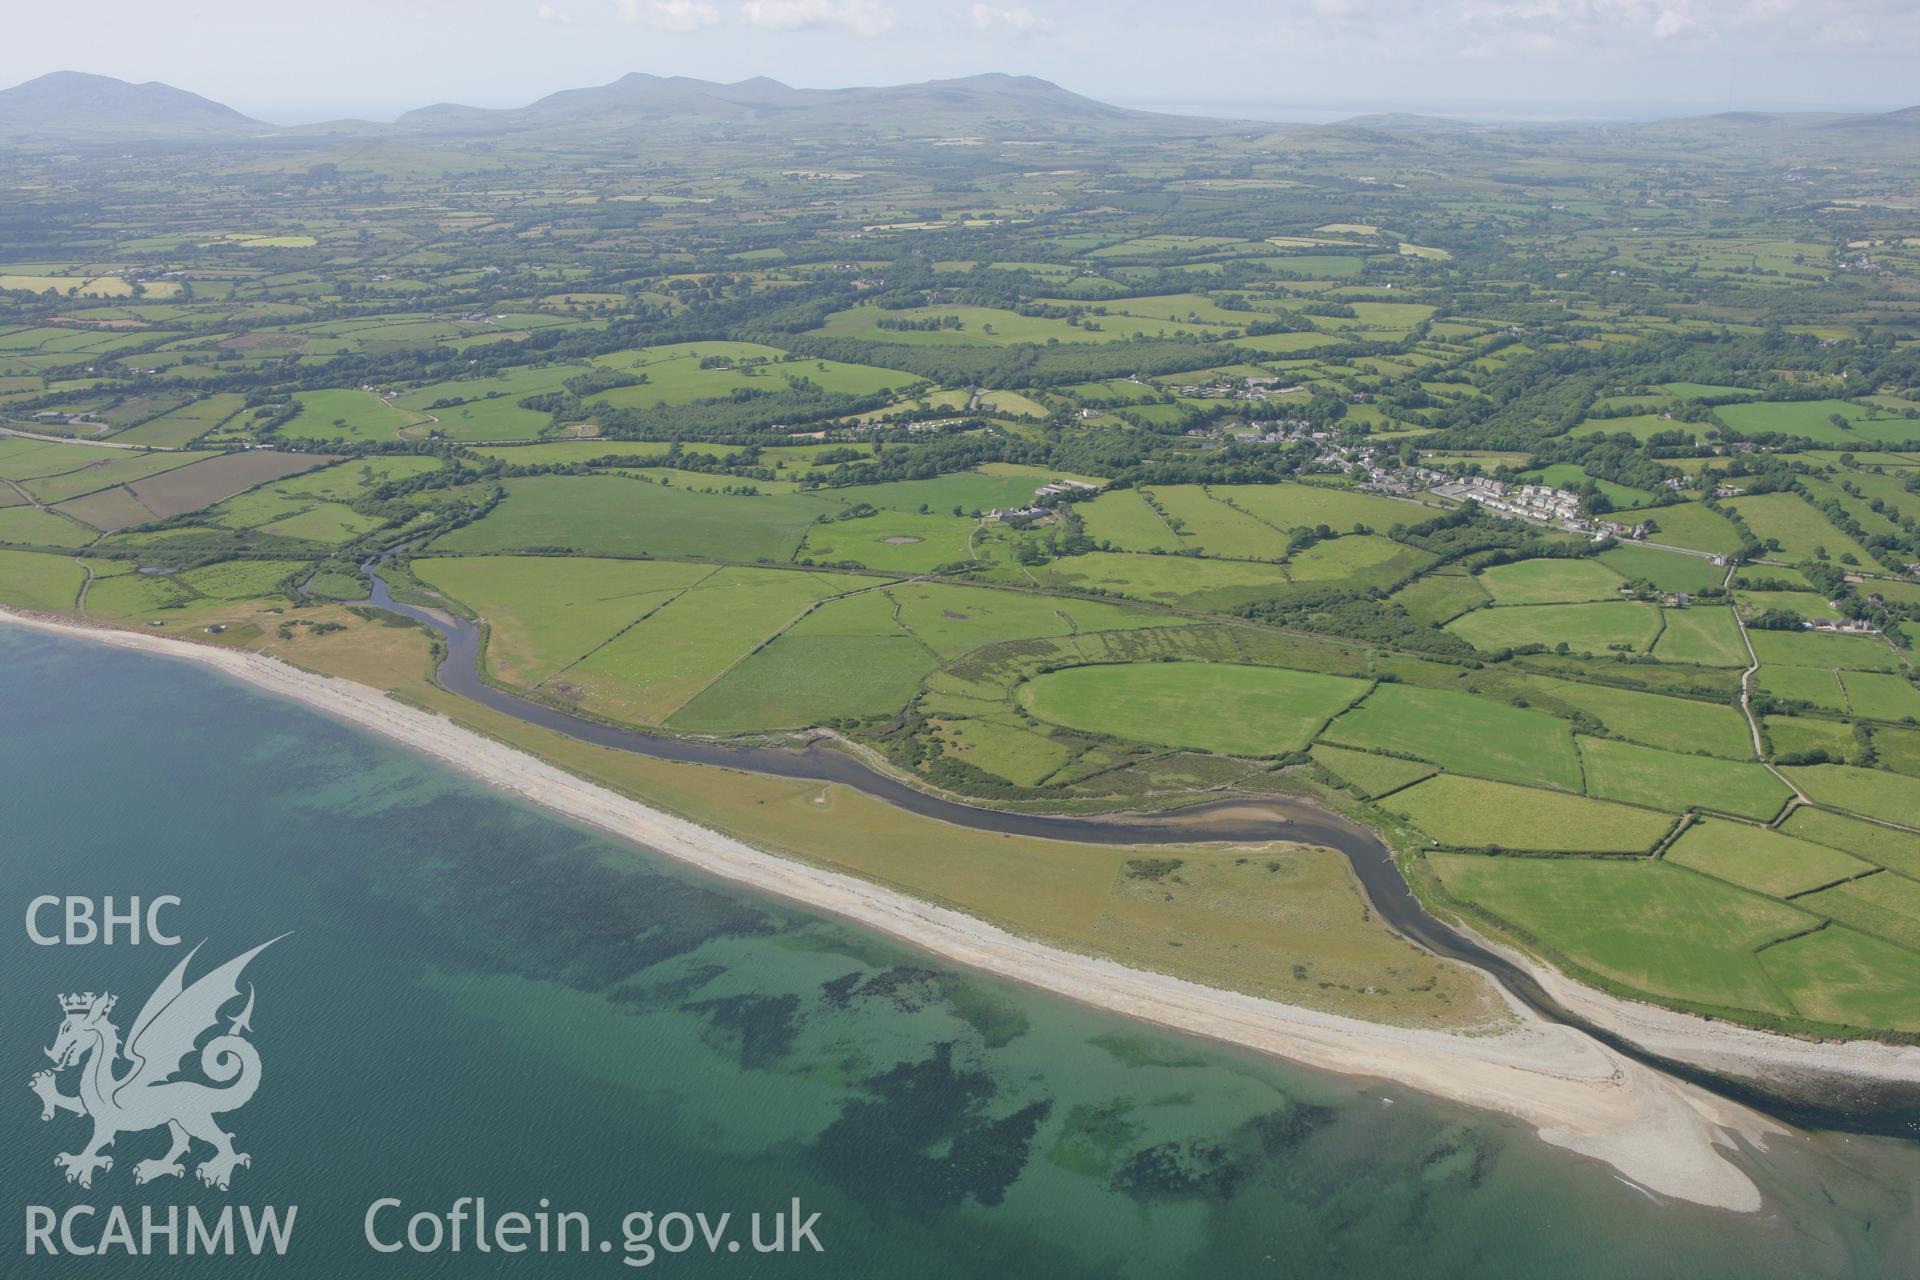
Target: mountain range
{"points": [[75, 107]]}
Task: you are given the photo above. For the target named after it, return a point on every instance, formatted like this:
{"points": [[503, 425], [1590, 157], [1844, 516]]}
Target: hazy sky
{"points": [[290, 62]]}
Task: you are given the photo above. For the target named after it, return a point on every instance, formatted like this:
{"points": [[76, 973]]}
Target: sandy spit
{"points": [[1664, 1134]]}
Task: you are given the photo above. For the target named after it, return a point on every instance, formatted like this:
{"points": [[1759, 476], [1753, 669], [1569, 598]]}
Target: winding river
{"points": [[1828, 1104]]}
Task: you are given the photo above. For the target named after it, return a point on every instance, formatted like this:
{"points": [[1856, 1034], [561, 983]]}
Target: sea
{"points": [[470, 1000]]}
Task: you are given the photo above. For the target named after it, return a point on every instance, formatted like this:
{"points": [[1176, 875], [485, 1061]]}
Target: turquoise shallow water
{"points": [[478, 999]]}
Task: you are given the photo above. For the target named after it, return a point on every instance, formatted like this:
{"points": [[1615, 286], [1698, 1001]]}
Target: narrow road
{"points": [[1746, 705], [91, 444]]}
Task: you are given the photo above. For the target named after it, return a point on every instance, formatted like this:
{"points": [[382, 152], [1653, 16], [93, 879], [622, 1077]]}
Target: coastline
{"points": [[1660, 1133]]}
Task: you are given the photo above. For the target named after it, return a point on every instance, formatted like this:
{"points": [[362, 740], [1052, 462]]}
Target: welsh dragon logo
{"points": [[145, 1095]]}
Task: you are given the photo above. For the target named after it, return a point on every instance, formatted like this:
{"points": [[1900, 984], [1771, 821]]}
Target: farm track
{"points": [[1753, 721], [96, 444]]}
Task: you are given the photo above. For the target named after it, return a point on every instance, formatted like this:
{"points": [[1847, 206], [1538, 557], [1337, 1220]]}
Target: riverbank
{"points": [[1665, 1135]]}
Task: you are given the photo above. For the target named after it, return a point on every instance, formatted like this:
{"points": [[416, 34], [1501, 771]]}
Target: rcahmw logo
{"points": [[144, 1082]]}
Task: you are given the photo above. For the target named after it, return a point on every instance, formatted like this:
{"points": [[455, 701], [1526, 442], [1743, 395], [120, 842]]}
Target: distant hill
{"points": [[75, 103], [637, 101], [1905, 118]]}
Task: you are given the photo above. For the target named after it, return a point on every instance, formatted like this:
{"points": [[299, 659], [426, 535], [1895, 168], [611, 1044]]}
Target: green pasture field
{"points": [[328, 522], [1123, 520], [1705, 634], [240, 579], [1898, 749], [25, 460], [1475, 813], [1441, 596], [1874, 793], [347, 415], [1838, 975], [545, 612], [1803, 532], [951, 619], [1551, 582], [674, 374], [1175, 580], [500, 419], [1900, 592], [1881, 695], [1641, 426], [1006, 750], [508, 387], [1893, 849], [1823, 649], [37, 527], [1112, 391], [1172, 308], [1645, 924], [1791, 417], [31, 580], [801, 680], [1462, 733], [1762, 860], [1369, 774], [1585, 628], [1794, 734], [1881, 903], [613, 514], [894, 541], [173, 429], [329, 585], [1359, 561], [1379, 315], [1747, 575], [1875, 523], [1664, 569], [133, 597], [1212, 527], [1237, 710], [346, 481], [655, 667], [1656, 720], [1668, 780], [1890, 489], [1294, 506], [256, 507], [1808, 604], [1815, 685], [1690, 525]]}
